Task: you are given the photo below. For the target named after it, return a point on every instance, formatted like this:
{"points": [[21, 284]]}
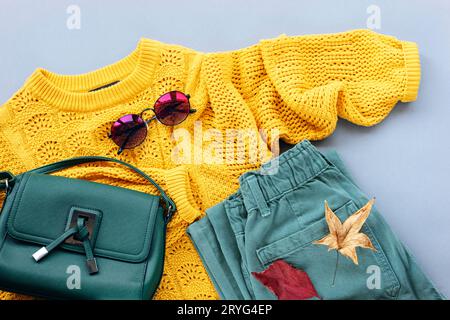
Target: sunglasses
{"points": [[171, 109]]}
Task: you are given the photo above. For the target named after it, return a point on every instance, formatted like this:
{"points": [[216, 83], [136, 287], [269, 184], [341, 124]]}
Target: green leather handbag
{"points": [[66, 238]]}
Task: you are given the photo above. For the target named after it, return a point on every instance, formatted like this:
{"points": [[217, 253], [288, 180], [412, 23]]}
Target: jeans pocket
{"points": [[333, 275]]}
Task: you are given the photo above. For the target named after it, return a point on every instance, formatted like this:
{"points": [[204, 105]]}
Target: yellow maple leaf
{"points": [[345, 237]]}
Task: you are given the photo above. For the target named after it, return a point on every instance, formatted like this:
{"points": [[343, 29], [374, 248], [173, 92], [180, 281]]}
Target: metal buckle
{"points": [[5, 178], [6, 183], [169, 214], [90, 221]]}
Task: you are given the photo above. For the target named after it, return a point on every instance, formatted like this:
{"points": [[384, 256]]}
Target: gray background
{"points": [[403, 161]]}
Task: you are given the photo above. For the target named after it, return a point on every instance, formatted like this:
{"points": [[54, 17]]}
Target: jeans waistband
{"points": [[280, 175]]}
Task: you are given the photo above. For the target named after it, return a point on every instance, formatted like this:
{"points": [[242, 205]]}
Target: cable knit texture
{"points": [[299, 85]]}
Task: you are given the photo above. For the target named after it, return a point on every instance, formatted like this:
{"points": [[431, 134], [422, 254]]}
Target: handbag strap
{"points": [[57, 166]]}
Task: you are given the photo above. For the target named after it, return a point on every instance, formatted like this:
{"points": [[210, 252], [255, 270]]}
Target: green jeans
{"points": [[278, 213]]}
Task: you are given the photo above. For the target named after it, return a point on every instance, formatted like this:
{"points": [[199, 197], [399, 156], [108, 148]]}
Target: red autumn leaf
{"points": [[287, 282]]}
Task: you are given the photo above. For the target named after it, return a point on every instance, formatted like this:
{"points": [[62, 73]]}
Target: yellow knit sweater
{"points": [[299, 85]]}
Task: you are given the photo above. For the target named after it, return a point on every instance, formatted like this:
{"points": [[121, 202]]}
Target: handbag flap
{"points": [[43, 204]]}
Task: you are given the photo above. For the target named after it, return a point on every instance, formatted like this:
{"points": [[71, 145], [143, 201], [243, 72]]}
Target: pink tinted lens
{"points": [[172, 108], [129, 131]]}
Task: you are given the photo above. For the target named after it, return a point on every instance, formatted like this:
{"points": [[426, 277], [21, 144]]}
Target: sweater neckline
{"points": [[104, 87]]}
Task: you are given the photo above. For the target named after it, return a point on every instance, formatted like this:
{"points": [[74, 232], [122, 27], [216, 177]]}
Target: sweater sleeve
{"points": [[310, 81]]}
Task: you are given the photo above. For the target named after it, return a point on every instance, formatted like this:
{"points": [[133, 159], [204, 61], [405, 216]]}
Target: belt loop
{"points": [[258, 196]]}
